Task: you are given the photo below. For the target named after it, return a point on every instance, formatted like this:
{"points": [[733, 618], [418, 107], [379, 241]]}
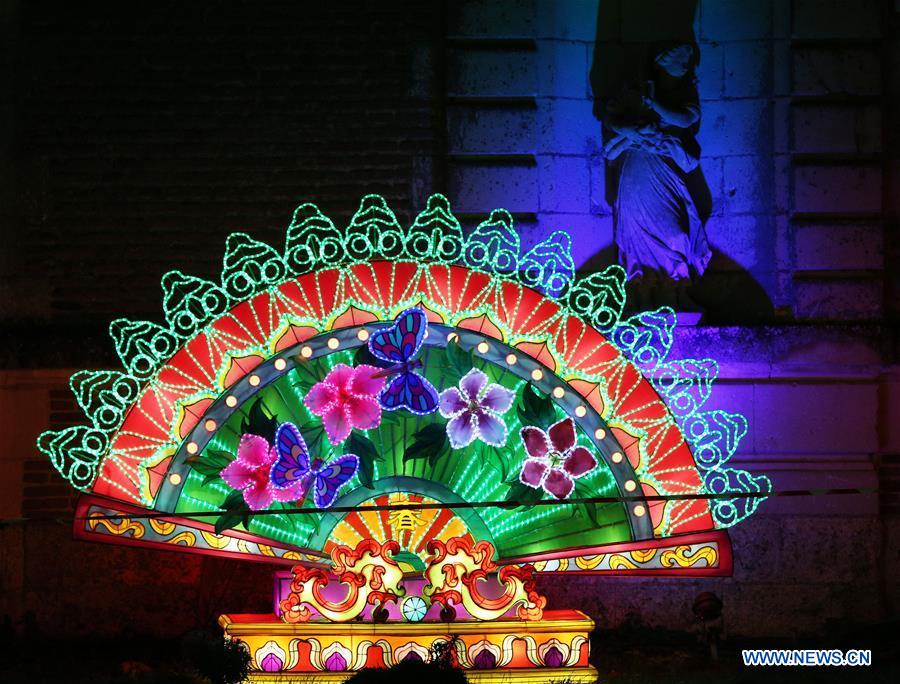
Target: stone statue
{"points": [[658, 229]]}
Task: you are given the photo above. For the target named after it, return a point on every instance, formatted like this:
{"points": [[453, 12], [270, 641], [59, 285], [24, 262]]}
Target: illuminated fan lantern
{"points": [[391, 416]]}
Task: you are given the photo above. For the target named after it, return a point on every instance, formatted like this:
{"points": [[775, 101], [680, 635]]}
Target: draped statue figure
{"points": [[651, 128]]}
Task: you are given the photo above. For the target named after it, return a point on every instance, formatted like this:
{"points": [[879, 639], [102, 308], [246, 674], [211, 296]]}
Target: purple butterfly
{"points": [[397, 345], [293, 472]]}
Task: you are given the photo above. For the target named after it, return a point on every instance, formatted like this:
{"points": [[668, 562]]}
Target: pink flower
{"points": [[347, 399], [250, 471], [474, 410], [554, 460]]}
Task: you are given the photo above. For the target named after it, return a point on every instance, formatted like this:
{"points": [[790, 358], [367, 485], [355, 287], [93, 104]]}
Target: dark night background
{"points": [[134, 137]]}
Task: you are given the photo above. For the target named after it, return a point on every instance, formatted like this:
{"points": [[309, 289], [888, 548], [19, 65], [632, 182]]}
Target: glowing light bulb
{"points": [[511, 359], [193, 447], [630, 485], [175, 479], [639, 511], [333, 343], [483, 347], [210, 425], [537, 374], [559, 392], [231, 401], [617, 457], [600, 433], [362, 334], [254, 380], [306, 352], [280, 364], [580, 411]]}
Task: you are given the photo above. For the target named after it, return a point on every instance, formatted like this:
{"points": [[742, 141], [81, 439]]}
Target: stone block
{"points": [[491, 130], [838, 188], [844, 70], [815, 418], [836, 129], [710, 70], [831, 550], [734, 127], [783, 168], [567, 127], [747, 186], [726, 20], [839, 300], [488, 73], [746, 239], [836, 18], [491, 18], [757, 548], [563, 69], [480, 188], [712, 170], [600, 203], [564, 184], [590, 234], [839, 246], [566, 19], [748, 69]]}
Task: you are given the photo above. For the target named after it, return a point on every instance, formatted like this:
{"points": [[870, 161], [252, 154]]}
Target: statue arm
{"points": [[680, 117]]}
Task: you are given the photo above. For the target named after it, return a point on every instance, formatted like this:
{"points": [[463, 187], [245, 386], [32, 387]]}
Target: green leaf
{"points": [[459, 361], [228, 520], [204, 467], [494, 457], [260, 423], [363, 447], [430, 442], [222, 458], [364, 356], [524, 495], [234, 501], [212, 477], [313, 434], [306, 374], [535, 409]]}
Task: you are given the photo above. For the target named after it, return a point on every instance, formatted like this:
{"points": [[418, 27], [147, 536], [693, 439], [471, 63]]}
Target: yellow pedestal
{"points": [[552, 649]]}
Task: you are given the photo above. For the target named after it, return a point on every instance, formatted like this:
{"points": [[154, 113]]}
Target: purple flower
{"points": [[474, 410], [554, 460]]}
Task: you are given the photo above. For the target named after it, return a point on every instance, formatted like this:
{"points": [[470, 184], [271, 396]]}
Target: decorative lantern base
{"points": [[553, 648]]}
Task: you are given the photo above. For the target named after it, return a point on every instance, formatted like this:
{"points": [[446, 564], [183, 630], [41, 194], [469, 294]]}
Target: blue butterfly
{"points": [[397, 345], [293, 471]]}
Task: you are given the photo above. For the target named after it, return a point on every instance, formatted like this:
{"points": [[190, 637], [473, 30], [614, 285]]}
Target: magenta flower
{"points": [[474, 410], [554, 460], [347, 399], [251, 473]]}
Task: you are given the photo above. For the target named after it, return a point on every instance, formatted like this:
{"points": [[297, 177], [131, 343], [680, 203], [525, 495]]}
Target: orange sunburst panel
{"points": [[363, 283], [583, 348], [119, 481], [466, 289], [294, 335], [689, 516], [522, 309], [296, 297], [407, 282]]}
